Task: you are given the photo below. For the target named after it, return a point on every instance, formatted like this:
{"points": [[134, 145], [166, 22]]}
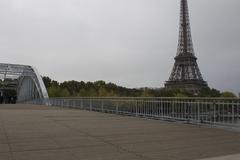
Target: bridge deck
{"points": [[48, 133]]}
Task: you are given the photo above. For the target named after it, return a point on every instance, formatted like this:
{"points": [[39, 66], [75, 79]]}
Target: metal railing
{"points": [[217, 112]]}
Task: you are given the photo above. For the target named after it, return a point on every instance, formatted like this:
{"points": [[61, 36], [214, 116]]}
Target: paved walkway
{"points": [[230, 157], [48, 133]]}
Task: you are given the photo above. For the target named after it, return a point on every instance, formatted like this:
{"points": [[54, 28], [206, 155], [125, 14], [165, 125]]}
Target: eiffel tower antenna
{"points": [[185, 74]]}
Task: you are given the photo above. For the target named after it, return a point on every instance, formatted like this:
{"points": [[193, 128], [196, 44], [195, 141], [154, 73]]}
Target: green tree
{"points": [[180, 95], [103, 89], [102, 92], [228, 94], [146, 92], [58, 92], [92, 92], [47, 81], [208, 92], [71, 86]]}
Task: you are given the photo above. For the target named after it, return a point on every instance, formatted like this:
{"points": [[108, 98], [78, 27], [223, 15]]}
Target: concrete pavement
{"points": [[29, 132]]}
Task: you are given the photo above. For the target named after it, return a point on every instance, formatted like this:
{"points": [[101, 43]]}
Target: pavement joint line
{"points": [[106, 142]]}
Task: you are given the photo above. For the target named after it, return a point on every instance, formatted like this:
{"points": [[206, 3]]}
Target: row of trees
{"points": [[103, 89]]}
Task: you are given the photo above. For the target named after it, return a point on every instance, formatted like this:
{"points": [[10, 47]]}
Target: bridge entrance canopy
{"points": [[19, 83]]}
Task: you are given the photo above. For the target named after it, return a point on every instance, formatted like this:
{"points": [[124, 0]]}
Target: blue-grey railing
{"points": [[209, 111]]}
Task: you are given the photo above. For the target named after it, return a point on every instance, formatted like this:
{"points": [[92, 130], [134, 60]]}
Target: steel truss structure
{"points": [[22, 79], [185, 73]]}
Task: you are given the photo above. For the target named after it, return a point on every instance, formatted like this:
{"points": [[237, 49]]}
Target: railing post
{"points": [[90, 107], [116, 107], [173, 109], [198, 112], [214, 112], [161, 108], [184, 113], [140, 107], [80, 103], [73, 103], [102, 110], [238, 110], [136, 108], [233, 115]]}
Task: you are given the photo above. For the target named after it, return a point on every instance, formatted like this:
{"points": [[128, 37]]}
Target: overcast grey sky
{"points": [[128, 42]]}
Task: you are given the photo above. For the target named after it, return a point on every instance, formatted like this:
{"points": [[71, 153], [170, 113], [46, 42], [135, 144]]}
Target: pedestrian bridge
{"points": [[23, 84], [38, 127], [20, 83]]}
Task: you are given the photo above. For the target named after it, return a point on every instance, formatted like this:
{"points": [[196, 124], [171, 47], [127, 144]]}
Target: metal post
{"points": [[116, 107], [73, 103], [143, 108], [160, 108], [147, 108], [186, 111], [151, 108], [233, 114], [136, 108], [173, 110], [182, 110], [214, 112], [178, 110], [102, 106], [223, 112], [81, 103], [238, 110], [198, 112], [90, 107]]}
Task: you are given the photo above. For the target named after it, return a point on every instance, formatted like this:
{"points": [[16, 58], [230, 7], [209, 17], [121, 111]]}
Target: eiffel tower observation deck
{"points": [[185, 74]]}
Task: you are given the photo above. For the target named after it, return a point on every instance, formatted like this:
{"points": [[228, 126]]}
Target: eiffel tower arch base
{"points": [[190, 85]]}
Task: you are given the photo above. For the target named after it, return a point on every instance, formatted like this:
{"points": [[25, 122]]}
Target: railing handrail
{"points": [[156, 98], [219, 112]]}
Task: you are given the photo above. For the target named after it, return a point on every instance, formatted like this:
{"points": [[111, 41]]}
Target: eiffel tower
{"points": [[185, 74]]}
